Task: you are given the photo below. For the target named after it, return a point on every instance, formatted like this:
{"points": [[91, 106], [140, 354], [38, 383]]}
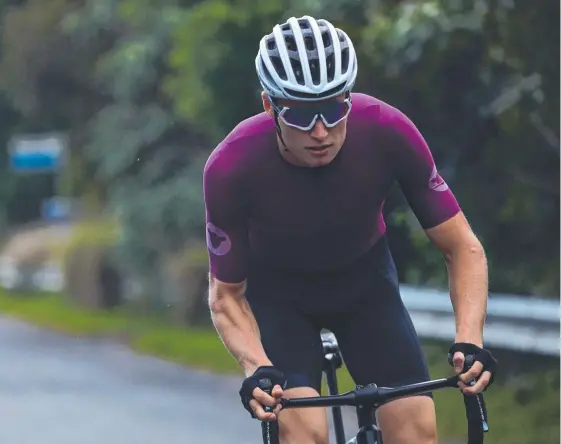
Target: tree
{"points": [[468, 76]]}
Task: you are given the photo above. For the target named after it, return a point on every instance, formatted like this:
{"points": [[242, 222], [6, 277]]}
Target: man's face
{"points": [[315, 147]]}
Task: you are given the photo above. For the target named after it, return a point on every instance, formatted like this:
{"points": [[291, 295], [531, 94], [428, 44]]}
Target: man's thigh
{"points": [[408, 421], [305, 425], [377, 337], [379, 345], [292, 341]]}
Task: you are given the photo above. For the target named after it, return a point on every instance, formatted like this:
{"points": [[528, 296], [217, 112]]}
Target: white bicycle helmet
{"points": [[306, 59]]}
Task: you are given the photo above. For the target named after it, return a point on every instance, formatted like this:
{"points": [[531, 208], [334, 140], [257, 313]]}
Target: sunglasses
{"points": [[304, 116]]}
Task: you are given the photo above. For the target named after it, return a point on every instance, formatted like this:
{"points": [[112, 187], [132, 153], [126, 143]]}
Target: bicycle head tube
{"points": [[367, 435]]}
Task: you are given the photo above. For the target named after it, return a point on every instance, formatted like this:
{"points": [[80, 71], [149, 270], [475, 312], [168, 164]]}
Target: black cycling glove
{"points": [[476, 411], [250, 383], [473, 353]]}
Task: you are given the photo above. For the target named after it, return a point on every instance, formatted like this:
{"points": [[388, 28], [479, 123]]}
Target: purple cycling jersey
{"points": [[262, 209]]}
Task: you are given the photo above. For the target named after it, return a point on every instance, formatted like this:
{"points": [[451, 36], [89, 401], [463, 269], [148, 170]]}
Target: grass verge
{"points": [[518, 415]]}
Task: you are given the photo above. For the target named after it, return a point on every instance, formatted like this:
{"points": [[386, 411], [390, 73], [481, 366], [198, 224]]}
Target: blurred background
{"points": [[110, 108]]}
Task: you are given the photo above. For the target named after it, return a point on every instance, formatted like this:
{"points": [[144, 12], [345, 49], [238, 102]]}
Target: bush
{"points": [[99, 276], [92, 279], [186, 282]]}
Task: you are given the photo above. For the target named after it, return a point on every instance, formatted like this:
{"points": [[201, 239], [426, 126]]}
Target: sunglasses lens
{"points": [[332, 112], [300, 116]]}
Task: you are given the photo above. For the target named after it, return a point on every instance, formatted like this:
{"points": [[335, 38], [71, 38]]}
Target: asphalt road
{"points": [[56, 389]]}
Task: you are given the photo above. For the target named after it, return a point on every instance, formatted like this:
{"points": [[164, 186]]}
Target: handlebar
{"points": [[370, 394], [374, 396]]}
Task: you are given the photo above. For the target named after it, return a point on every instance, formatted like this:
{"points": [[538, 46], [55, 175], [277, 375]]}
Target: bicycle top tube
{"points": [[370, 394]]}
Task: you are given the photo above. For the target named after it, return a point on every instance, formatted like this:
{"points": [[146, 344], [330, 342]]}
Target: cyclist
{"points": [[296, 239]]}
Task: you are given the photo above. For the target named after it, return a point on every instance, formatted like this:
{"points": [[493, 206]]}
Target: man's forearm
{"points": [[238, 329], [468, 275]]}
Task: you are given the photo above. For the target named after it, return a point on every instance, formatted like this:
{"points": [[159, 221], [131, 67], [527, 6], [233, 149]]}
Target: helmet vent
{"points": [[279, 67]]}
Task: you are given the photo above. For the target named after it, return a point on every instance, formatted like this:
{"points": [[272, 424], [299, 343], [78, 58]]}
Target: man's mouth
{"points": [[318, 148]]}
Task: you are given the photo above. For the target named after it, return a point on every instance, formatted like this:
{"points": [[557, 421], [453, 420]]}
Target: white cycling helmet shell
{"points": [[306, 59]]}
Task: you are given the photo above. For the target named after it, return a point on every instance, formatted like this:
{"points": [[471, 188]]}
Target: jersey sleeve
{"points": [[428, 195], [226, 227]]}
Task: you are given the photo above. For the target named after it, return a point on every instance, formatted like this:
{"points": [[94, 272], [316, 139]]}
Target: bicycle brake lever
{"points": [[267, 386], [283, 402]]}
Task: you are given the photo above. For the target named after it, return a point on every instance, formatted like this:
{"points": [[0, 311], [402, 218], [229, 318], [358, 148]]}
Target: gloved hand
{"points": [[473, 363], [253, 398]]}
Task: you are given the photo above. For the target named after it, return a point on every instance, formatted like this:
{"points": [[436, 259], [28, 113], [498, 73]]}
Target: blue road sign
{"points": [[36, 153]]}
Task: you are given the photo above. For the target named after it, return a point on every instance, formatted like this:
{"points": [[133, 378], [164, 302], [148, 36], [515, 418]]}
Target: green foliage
{"points": [[41, 67], [205, 83], [491, 96], [139, 151], [129, 128], [146, 88], [175, 209]]}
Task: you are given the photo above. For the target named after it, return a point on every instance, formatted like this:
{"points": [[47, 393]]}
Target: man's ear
{"points": [[267, 104]]}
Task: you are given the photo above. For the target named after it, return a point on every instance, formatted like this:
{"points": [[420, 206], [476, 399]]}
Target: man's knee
{"points": [[303, 426], [409, 421]]}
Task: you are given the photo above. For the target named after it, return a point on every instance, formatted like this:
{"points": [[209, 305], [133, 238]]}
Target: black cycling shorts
{"points": [[361, 305]]}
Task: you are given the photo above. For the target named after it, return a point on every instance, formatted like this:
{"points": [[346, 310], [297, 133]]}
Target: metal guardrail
{"points": [[529, 325], [526, 324]]}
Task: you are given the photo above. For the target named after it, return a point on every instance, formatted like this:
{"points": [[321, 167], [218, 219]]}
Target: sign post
{"points": [[33, 154]]}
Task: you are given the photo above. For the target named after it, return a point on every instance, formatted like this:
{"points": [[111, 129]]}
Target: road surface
{"points": [[56, 389]]}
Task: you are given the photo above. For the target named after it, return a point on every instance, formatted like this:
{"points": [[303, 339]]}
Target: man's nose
{"points": [[319, 130]]}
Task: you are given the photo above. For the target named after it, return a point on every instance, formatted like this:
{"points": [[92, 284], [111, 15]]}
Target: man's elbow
{"points": [[215, 304], [221, 294], [456, 240], [216, 296], [471, 248]]}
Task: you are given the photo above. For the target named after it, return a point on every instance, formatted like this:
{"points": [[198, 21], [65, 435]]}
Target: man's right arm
{"points": [[235, 323], [228, 245]]}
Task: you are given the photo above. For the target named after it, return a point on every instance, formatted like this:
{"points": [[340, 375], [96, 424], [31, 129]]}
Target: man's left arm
{"points": [[468, 277], [468, 280], [441, 217]]}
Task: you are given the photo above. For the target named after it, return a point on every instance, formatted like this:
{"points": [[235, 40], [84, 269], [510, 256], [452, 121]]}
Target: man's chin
{"points": [[319, 161]]}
